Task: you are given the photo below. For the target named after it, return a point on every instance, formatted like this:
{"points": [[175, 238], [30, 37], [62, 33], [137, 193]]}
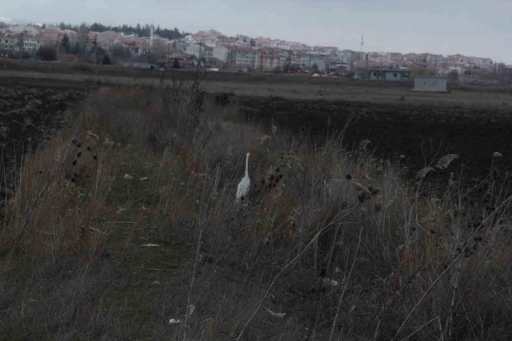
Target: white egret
{"points": [[245, 183]]}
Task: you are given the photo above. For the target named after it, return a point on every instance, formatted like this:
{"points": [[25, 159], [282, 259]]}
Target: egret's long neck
{"points": [[247, 165]]}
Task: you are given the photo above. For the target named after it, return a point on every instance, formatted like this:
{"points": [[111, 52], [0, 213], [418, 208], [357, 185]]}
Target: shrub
{"points": [[47, 53], [82, 67]]}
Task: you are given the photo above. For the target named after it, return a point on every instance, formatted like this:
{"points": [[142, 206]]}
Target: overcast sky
{"points": [[472, 27]]}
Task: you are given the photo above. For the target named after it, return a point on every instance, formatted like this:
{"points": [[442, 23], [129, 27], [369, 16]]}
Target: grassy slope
{"points": [[156, 167]]}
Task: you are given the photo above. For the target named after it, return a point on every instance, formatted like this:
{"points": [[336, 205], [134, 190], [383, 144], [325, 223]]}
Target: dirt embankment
{"points": [[27, 116], [421, 133]]}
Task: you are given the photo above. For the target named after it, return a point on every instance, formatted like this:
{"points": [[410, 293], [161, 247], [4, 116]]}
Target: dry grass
{"points": [[113, 243]]}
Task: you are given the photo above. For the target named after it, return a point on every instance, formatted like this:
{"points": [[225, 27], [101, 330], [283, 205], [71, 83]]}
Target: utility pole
{"points": [[168, 54], [20, 43], [95, 44]]}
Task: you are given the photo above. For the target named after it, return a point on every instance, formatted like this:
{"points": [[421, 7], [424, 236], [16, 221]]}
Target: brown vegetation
{"points": [[126, 219]]}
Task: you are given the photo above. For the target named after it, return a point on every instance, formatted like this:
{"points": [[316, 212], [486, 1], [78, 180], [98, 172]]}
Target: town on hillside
{"points": [[150, 47]]}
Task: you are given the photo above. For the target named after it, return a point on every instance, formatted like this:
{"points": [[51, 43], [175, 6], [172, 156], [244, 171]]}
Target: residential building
{"points": [[200, 51], [262, 42], [223, 40], [51, 36], [30, 45], [221, 53], [300, 60], [281, 44], [207, 38], [336, 65], [325, 50], [269, 59], [28, 30], [245, 56], [243, 37], [458, 59], [388, 75], [7, 42], [13, 43], [345, 56], [319, 61]]}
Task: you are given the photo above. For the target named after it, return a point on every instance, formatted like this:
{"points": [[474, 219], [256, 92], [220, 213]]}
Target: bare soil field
{"points": [[27, 117], [420, 133], [398, 121]]}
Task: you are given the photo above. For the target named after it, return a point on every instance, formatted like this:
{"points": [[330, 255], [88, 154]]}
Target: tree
{"points": [[315, 68], [120, 53], [100, 54], [47, 53], [65, 43], [106, 60], [76, 50], [176, 64], [453, 77]]}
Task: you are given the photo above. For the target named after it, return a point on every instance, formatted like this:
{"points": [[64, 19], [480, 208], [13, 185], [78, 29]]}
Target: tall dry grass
{"points": [[126, 218]]}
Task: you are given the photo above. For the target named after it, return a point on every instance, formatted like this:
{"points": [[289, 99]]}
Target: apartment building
{"points": [[7, 42], [245, 56]]}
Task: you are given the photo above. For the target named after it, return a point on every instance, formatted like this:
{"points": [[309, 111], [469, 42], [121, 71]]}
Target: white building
{"points": [[430, 84], [345, 56], [30, 44], [319, 61], [25, 30], [199, 50], [221, 53], [9, 43]]}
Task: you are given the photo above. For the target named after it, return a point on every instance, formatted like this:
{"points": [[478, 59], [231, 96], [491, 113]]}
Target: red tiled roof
{"points": [[52, 30]]}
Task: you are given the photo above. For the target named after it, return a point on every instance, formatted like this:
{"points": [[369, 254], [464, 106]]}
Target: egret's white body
{"points": [[245, 183]]}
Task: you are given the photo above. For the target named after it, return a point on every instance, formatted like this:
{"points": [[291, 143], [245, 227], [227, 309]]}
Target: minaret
{"points": [[365, 57]]}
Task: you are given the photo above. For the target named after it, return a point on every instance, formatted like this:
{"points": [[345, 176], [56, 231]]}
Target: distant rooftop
{"points": [[388, 70]]}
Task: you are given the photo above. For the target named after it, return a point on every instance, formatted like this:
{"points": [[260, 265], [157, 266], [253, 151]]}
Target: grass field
{"points": [[125, 219]]}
